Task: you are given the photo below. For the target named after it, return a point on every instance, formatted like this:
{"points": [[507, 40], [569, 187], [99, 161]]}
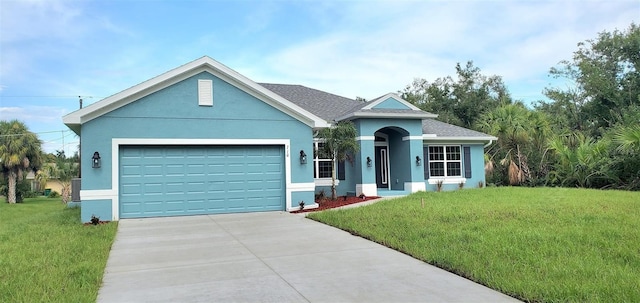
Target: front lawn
{"points": [[535, 244], [47, 255]]}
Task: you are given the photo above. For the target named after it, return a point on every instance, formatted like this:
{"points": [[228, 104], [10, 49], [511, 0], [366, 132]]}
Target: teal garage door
{"points": [[160, 181]]}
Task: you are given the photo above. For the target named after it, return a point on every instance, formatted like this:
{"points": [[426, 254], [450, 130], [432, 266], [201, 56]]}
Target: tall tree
{"points": [[461, 101], [339, 142], [605, 73], [20, 150]]}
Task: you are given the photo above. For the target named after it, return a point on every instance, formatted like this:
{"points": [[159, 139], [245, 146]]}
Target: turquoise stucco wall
{"points": [[348, 184], [98, 208], [297, 197], [173, 112]]}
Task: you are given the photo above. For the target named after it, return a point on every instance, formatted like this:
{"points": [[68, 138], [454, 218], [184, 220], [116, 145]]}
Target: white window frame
{"points": [[454, 179], [316, 164]]}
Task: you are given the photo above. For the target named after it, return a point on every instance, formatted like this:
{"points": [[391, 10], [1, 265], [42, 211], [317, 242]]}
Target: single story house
{"points": [[204, 139]]}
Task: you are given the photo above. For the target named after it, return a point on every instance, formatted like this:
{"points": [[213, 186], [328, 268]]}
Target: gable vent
{"points": [[205, 92]]}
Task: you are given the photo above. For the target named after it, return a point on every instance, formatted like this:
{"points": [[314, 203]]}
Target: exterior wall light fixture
{"points": [[95, 160], [303, 157], [418, 161], [368, 161]]}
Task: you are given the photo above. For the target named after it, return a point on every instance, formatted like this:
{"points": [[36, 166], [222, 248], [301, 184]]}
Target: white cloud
{"points": [[41, 114], [378, 47]]}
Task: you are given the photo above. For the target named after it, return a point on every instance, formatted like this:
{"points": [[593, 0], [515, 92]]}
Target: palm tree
{"points": [[20, 150], [627, 160], [579, 160], [512, 125], [628, 139], [339, 141]]}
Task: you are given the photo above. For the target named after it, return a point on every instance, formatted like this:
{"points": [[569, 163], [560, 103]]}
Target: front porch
{"points": [[384, 192]]}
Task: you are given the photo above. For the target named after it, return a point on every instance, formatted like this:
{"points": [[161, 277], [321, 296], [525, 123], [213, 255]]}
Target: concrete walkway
{"points": [[268, 257]]}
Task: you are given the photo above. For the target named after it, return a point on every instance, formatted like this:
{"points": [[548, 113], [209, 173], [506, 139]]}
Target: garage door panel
{"points": [[168, 181]]}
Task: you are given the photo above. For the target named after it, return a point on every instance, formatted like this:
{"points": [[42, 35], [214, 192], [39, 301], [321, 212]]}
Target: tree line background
{"points": [[587, 135]]}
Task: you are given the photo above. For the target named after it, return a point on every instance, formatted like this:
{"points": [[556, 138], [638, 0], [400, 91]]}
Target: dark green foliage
{"points": [[461, 101], [597, 140], [517, 157], [606, 74], [95, 220], [588, 135], [23, 190]]}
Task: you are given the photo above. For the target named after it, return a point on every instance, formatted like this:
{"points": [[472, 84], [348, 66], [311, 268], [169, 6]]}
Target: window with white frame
{"points": [[445, 161], [322, 161]]}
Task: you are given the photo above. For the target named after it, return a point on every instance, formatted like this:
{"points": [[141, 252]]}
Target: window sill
{"points": [[447, 180], [325, 182]]}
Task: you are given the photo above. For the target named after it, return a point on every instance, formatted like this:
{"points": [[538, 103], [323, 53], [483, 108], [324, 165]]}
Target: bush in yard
{"points": [[23, 190], [54, 194]]}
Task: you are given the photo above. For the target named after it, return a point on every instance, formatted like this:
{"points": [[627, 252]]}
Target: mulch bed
{"points": [[99, 223], [327, 203]]}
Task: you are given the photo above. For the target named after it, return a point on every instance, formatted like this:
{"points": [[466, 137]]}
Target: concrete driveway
{"points": [[268, 257]]}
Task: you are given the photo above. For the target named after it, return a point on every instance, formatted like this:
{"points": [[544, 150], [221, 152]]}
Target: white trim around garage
{"points": [[113, 193]]}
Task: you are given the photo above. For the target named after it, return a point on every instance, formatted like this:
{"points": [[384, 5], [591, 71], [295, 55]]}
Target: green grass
{"points": [[536, 244], [47, 255]]}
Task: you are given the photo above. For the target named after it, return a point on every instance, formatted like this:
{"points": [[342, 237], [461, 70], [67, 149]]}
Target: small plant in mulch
{"points": [[95, 221], [321, 195]]}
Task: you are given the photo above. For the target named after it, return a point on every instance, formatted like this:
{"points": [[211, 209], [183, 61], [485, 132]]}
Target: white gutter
{"points": [[487, 145]]}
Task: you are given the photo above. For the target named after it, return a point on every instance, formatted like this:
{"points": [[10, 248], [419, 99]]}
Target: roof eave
{"points": [[461, 138], [358, 115]]}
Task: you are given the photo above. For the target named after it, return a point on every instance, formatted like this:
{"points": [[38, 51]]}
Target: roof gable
{"points": [[205, 64], [390, 101], [388, 106]]}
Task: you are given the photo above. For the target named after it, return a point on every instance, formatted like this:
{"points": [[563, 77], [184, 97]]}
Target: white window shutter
{"points": [[205, 92]]}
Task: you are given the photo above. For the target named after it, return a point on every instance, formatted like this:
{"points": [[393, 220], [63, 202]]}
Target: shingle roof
{"points": [[446, 130], [332, 107], [322, 104]]}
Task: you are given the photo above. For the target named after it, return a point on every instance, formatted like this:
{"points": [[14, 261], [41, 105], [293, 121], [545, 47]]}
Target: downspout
{"points": [[490, 142]]}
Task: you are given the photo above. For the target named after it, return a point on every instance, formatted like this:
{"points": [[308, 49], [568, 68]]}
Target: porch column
{"points": [[417, 182], [366, 183]]}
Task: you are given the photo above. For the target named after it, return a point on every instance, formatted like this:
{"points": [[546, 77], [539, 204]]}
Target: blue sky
{"points": [[53, 51]]}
